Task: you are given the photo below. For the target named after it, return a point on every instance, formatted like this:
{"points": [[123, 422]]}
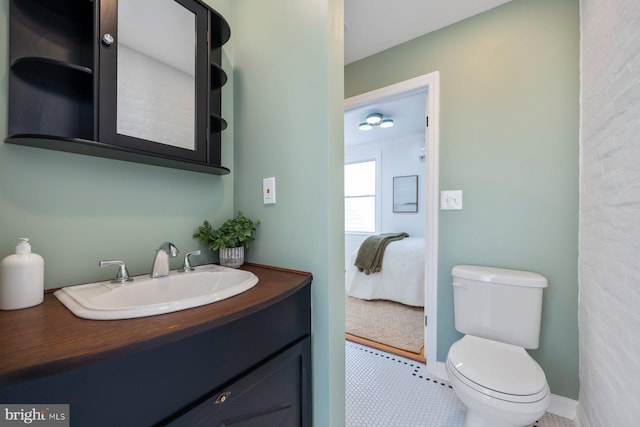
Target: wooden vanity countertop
{"points": [[48, 338]]}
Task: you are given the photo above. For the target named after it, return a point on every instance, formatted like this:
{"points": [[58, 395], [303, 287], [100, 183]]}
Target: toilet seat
{"points": [[497, 370]]}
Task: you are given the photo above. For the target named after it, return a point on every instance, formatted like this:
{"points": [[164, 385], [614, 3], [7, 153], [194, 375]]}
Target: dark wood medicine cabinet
{"points": [[65, 94]]}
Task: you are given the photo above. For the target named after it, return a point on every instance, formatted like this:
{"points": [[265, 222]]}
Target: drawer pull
{"points": [[222, 397]]}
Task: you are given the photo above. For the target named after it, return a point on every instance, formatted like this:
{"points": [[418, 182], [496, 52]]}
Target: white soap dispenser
{"points": [[21, 278]]}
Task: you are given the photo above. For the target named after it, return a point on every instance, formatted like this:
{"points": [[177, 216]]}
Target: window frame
{"points": [[377, 195]]}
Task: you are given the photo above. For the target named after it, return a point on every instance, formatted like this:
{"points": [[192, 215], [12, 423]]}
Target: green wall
{"points": [[288, 73], [80, 209], [283, 103], [509, 139]]}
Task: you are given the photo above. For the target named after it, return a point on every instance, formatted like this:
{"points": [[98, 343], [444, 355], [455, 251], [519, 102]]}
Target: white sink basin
{"points": [[147, 297]]}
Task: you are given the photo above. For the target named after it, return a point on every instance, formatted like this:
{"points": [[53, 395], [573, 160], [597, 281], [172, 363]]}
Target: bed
{"points": [[401, 278]]}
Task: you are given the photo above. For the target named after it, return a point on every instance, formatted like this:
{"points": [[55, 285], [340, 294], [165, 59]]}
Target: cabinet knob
{"points": [[108, 39]]}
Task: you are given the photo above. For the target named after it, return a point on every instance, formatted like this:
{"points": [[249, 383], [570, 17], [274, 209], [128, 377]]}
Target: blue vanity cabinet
{"points": [[274, 394], [243, 361]]}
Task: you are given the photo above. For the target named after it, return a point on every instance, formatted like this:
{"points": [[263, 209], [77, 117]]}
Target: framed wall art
{"points": [[405, 194]]}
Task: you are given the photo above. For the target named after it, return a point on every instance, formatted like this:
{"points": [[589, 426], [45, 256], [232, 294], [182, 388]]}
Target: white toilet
{"points": [[489, 369]]}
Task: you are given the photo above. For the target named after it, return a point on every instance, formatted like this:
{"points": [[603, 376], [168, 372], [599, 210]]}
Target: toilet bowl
{"points": [[500, 384], [499, 311]]}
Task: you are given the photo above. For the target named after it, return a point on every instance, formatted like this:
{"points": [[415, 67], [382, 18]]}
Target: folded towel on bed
{"points": [[369, 259]]}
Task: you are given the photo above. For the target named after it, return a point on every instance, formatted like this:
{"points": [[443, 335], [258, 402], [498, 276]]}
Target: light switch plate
{"points": [[451, 200], [269, 191]]}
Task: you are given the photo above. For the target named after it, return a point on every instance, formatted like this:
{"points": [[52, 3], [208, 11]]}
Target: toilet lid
{"points": [[501, 367]]}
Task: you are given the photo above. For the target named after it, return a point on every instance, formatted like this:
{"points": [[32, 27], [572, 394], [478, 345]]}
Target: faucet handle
{"points": [[123, 275], [187, 266]]}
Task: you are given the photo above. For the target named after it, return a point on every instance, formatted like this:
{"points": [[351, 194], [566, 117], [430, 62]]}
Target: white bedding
{"points": [[401, 278]]}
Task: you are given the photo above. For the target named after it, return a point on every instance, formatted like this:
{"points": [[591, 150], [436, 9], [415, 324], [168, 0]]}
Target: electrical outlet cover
{"points": [[451, 200], [269, 191]]}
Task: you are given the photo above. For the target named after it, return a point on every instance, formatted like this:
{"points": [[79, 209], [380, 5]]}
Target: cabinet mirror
{"points": [[156, 72], [133, 80], [153, 71]]}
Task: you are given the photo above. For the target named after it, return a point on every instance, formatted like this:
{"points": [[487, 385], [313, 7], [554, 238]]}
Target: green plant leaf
{"points": [[233, 233]]}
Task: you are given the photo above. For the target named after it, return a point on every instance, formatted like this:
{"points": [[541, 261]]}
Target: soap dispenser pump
{"points": [[21, 278]]}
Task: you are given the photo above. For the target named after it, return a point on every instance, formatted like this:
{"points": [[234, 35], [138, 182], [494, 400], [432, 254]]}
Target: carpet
{"points": [[387, 322]]}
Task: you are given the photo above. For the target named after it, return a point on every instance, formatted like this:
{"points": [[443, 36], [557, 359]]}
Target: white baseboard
{"points": [[560, 405], [438, 369], [581, 419], [563, 406]]}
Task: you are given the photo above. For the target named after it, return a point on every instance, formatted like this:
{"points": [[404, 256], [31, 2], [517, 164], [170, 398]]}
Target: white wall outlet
{"points": [[451, 200], [269, 191]]}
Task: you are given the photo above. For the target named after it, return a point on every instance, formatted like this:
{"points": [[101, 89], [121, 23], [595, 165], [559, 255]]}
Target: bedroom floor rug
{"points": [[387, 322]]}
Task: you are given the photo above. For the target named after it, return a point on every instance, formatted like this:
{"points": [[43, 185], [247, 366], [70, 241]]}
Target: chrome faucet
{"points": [[123, 274], [160, 267], [186, 267]]}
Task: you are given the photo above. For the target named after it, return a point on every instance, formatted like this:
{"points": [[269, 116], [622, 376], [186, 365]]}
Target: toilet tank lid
{"points": [[501, 276]]}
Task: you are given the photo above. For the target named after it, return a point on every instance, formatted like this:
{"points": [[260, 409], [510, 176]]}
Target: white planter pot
{"points": [[232, 257]]}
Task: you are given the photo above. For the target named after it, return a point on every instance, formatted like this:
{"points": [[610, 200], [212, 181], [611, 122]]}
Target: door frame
{"points": [[431, 82]]}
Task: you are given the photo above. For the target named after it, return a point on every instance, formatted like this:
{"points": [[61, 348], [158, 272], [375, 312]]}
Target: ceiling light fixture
{"points": [[386, 123], [375, 119]]}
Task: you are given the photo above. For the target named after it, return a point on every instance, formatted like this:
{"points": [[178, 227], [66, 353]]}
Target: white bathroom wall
{"points": [[397, 158], [609, 238]]}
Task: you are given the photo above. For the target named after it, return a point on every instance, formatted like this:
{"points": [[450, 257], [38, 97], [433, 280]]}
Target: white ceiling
{"points": [[372, 26]]}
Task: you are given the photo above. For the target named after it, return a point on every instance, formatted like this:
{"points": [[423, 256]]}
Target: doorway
{"points": [[429, 85]]}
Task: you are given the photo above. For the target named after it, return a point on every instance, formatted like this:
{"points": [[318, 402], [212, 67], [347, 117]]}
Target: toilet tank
{"points": [[498, 304]]}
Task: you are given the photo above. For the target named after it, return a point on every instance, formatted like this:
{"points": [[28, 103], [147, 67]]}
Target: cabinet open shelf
{"points": [[100, 149], [74, 9], [51, 73], [218, 76], [218, 124], [223, 31]]}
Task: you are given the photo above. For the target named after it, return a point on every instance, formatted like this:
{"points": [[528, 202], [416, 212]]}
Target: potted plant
{"points": [[230, 239]]}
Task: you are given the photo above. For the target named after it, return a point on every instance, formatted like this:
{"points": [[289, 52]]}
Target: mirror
{"points": [[156, 84]]}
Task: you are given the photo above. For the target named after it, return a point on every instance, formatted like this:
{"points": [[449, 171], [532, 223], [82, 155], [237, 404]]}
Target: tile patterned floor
{"points": [[384, 390]]}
